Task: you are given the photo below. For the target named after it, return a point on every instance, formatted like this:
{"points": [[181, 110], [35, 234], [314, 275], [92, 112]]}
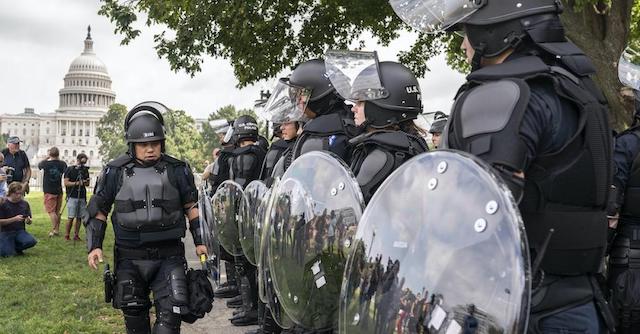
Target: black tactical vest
{"points": [[566, 190], [274, 154], [325, 133], [148, 206], [246, 164], [631, 205], [221, 168], [377, 154]]}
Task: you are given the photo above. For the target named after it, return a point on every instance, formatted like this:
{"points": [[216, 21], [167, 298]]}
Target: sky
{"points": [[39, 40]]}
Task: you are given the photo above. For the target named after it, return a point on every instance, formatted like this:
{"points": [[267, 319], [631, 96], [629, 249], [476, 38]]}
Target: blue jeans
{"points": [[583, 319], [12, 242]]}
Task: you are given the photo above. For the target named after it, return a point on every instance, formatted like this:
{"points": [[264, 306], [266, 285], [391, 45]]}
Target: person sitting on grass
{"points": [[14, 214]]}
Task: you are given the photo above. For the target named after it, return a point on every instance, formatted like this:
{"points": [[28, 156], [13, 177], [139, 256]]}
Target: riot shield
{"points": [[314, 212], [226, 209], [251, 200], [441, 246], [266, 291], [208, 237]]}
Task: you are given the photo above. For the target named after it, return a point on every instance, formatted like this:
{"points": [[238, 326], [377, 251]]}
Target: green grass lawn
{"points": [[51, 289]]}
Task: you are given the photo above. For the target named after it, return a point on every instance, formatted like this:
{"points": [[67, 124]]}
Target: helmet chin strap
{"points": [[476, 61]]}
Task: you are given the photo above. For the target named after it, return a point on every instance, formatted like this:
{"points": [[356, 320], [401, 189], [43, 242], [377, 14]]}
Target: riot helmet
{"points": [[245, 128], [401, 103], [144, 123], [491, 26], [312, 75], [439, 121]]}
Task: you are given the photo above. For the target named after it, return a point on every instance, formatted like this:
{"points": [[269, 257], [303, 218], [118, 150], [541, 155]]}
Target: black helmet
{"points": [[312, 75], [144, 123], [403, 101], [245, 127], [439, 121], [502, 24]]}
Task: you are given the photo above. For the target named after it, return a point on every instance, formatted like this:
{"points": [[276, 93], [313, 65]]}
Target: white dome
{"points": [[88, 62]]}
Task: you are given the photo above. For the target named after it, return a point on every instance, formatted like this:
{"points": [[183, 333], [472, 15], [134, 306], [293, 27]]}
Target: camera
{"points": [[10, 171]]}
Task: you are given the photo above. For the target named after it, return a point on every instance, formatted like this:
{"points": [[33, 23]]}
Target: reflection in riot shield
{"points": [[441, 248], [313, 215], [265, 283], [205, 211], [226, 211], [253, 194]]}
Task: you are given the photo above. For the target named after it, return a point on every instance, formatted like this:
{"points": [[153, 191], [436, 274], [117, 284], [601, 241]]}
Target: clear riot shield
{"points": [[251, 200], [355, 75], [629, 67], [205, 212], [442, 246], [226, 209], [313, 214]]}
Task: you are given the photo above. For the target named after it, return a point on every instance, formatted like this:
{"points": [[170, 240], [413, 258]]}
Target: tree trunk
{"points": [[602, 32]]}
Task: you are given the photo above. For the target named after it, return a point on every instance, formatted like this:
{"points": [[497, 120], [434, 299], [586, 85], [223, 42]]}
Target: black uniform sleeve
{"points": [[105, 194], [626, 149], [186, 184]]}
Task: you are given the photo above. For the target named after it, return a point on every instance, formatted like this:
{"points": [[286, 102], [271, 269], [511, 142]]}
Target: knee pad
{"points": [[130, 292], [166, 323]]}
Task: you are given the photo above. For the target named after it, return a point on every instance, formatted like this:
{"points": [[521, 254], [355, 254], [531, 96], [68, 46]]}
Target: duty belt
{"points": [[149, 253]]}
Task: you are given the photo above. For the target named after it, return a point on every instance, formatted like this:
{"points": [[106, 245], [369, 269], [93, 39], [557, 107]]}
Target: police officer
{"points": [[390, 136], [439, 121], [330, 124], [246, 165], [624, 257], [530, 109], [287, 133], [152, 193], [221, 167]]}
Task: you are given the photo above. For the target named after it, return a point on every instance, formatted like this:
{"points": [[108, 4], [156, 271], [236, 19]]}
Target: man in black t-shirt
{"points": [[17, 160], [76, 179], [53, 169]]}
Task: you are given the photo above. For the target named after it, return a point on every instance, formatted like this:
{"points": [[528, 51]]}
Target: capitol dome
{"points": [[87, 85]]}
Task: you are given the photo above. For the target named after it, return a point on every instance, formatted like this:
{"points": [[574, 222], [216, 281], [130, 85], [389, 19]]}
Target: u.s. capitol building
{"points": [[73, 126]]}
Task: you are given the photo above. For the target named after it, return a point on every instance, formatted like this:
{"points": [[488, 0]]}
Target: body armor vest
{"points": [[246, 164], [273, 155], [148, 207], [565, 190], [631, 206], [325, 133], [377, 154], [221, 167]]}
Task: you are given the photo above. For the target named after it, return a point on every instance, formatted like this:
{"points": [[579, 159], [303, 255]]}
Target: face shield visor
{"points": [[629, 68], [433, 16], [355, 75], [287, 103]]}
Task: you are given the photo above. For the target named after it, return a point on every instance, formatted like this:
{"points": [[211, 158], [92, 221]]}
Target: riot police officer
{"points": [[624, 272], [221, 167], [530, 109], [246, 165], [390, 136], [287, 133], [330, 124], [152, 193], [439, 122]]}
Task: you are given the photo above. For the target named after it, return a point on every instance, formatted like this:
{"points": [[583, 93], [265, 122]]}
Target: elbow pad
{"points": [[96, 230], [196, 231]]}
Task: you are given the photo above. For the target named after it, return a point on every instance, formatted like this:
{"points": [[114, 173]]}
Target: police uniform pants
{"points": [[166, 278], [580, 319]]}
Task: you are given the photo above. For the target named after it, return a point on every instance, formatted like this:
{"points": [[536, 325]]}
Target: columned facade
{"points": [[85, 97]]}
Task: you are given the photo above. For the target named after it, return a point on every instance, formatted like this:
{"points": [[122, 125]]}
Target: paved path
{"points": [[216, 321]]}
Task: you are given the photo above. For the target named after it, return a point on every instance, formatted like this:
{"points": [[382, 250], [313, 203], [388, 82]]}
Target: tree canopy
{"points": [[111, 132], [261, 38]]}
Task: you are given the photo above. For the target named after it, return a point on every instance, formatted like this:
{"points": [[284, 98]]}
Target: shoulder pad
{"points": [[488, 108], [372, 166], [278, 144], [390, 138], [326, 124], [517, 68], [120, 161], [173, 161], [571, 56]]}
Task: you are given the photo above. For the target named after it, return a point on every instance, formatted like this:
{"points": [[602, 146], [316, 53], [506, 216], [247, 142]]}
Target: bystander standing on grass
{"points": [[14, 214], [76, 179], [53, 169]]}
